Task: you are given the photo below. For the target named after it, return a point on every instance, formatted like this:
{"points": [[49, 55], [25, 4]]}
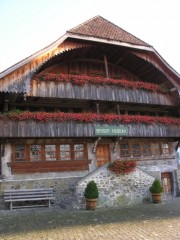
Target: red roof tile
{"points": [[99, 27]]}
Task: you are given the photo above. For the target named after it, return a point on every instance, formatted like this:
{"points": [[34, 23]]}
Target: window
{"points": [[20, 153], [165, 149], [155, 149], [78, 152], [65, 152], [124, 150], [35, 152], [136, 150], [146, 149], [50, 152]]}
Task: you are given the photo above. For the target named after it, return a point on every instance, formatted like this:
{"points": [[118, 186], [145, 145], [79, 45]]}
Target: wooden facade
{"points": [[33, 129], [80, 74]]}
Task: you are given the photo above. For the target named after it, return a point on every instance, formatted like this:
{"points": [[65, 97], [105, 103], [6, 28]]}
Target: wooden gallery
{"points": [[96, 95]]}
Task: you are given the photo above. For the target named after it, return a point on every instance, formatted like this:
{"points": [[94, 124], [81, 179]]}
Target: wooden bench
{"points": [[37, 197]]}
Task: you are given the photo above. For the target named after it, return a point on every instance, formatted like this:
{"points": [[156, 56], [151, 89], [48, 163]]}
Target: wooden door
{"points": [[102, 154], [166, 182]]}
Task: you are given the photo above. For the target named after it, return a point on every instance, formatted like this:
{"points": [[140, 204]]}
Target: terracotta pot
{"points": [[156, 197], [91, 203]]}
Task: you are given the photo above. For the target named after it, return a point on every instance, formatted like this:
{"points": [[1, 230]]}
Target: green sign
{"points": [[111, 131]]}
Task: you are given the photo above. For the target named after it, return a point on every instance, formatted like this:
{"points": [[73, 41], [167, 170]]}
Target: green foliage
{"points": [[156, 187], [91, 190]]}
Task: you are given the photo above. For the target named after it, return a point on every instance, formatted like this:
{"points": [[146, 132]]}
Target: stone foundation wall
{"points": [[117, 190], [63, 187], [166, 165], [178, 181]]}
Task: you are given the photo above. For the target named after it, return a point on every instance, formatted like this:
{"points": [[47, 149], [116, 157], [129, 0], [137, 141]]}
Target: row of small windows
{"points": [[144, 149], [65, 152], [49, 152]]}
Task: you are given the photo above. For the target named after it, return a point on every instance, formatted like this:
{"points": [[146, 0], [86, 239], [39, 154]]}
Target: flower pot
{"points": [[156, 197], [91, 203]]}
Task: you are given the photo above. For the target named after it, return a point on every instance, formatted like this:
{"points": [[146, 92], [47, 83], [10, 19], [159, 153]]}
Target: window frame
{"points": [[128, 149], [155, 150], [43, 152]]}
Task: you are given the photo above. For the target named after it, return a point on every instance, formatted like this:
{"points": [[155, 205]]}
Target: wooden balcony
{"points": [[99, 92], [70, 128]]}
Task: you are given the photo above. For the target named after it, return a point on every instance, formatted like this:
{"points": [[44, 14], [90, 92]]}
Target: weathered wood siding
{"points": [[34, 129], [94, 92], [51, 166], [17, 78]]}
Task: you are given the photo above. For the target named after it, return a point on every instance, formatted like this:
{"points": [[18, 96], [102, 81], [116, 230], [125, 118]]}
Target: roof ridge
{"points": [[118, 34], [125, 31], [81, 24]]}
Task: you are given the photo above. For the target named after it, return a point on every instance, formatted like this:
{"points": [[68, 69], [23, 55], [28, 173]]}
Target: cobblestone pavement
{"points": [[143, 222]]}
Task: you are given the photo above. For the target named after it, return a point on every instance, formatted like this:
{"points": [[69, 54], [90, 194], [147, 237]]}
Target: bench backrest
{"points": [[28, 193]]}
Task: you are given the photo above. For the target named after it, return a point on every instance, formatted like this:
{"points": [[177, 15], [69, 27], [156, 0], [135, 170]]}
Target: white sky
{"points": [[26, 26]]}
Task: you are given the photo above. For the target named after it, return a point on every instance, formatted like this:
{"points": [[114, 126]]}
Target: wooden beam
{"points": [[121, 58], [106, 66], [6, 103]]}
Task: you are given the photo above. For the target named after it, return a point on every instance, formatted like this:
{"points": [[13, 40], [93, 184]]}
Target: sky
{"points": [[27, 26]]}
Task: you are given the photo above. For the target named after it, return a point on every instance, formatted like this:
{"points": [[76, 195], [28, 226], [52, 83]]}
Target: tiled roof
{"points": [[99, 27]]}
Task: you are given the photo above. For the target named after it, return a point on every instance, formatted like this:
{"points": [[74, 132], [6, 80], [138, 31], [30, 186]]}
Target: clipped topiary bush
{"points": [[91, 190], [156, 187]]}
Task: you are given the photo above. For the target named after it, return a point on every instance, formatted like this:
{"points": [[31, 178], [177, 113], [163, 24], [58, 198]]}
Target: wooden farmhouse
{"points": [[96, 95]]}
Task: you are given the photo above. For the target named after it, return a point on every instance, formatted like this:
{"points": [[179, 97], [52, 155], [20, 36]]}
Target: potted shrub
{"points": [[91, 194], [156, 190]]}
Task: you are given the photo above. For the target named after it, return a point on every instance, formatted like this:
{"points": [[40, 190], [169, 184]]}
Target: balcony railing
{"points": [[71, 128], [101, 91]]}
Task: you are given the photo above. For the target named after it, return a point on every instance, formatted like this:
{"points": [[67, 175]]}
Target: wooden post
{"points": [[106, 66], [118, 109], [6, 103], [97, 108]]}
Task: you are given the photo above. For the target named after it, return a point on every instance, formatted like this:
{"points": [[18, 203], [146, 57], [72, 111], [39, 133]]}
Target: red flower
{"points": [[84, 79], [88, 117], [122, 166]]}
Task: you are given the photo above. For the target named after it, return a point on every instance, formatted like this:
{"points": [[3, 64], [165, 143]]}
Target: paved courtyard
{"points": [[145, 222]]}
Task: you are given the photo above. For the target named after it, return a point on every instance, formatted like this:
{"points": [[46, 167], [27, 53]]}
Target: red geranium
{"points": [[84, 79], [88, 117], [122, 166]]}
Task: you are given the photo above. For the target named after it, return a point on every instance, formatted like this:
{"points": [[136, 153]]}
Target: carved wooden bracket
{"points": [[116, 143], [178, 145], [95, 144]]}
